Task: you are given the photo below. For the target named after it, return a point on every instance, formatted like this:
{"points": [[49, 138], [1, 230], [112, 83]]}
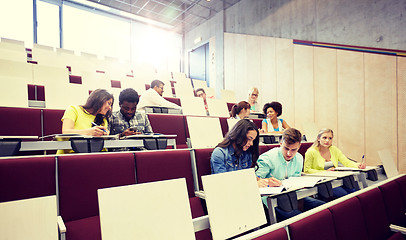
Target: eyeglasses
{"points": [[253, 94]]}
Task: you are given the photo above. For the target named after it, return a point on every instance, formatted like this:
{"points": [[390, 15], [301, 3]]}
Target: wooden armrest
{"points": [[396, 228], [61, 225], [201, 223]]}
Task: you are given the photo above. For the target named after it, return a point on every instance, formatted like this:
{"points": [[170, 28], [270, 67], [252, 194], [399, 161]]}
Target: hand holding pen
{"points": [[98, 130], [362, 165]]}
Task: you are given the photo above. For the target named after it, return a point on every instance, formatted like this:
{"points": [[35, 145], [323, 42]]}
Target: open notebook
{"points": [[293, 182]]}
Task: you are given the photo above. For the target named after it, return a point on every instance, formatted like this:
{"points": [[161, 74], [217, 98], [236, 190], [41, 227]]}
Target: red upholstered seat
{"points": [[258, 122], [79, 178], [230, 106], [86, 228], [373, 209], [52, 121], [317, 226], [395, 208], [263, 148], [170, 124], [173, 100], [349, 220], [303, 147], [202, 157], [197, 211], [402, 186], [164, 165], [22, 178], [279, 234], [20, 121], [224, 125]]}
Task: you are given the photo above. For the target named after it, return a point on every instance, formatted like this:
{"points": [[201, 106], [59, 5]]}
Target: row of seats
{"points": [[366, 214], [43, 122], [79, 176]]}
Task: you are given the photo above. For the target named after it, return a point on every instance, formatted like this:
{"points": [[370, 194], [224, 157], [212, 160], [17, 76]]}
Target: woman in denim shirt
{"points": [[239, 150]]}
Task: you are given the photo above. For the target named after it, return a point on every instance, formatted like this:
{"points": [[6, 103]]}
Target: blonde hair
{"points": [[316, 143], [253, 89]]}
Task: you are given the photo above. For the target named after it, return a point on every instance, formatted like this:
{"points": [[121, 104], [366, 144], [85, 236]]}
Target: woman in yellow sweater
{"points": [[323, 156]]}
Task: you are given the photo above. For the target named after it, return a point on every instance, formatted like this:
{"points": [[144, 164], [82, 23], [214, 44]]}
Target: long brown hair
{"points": [[96, 101], [237, 137]]}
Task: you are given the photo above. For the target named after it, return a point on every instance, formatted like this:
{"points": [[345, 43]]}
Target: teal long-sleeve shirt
{"points": [[273, 164]]}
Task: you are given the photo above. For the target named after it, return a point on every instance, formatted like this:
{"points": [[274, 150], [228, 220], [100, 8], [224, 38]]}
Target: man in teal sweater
{"points": [[284, 162]]}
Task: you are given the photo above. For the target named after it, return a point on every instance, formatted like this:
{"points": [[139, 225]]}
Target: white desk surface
{"points": [[34, 219], [157, 210], [233, 203]]}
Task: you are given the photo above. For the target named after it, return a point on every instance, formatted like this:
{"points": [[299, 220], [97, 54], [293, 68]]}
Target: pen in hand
{"points": [[95, 125]]}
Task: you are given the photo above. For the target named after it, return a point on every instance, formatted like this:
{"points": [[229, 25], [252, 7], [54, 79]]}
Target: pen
{"points": [[363, 159], [95, 125]]}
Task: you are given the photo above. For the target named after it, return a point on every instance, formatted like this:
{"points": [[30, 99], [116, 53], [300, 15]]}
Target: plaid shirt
{"points": [[118, 124]]}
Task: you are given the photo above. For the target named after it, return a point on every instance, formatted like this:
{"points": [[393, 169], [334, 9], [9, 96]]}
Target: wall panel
{"points": [[229, 63], [380, 106], [401, 102], [253, 55], [240, 60], [303, 85], [350, 93], [268, 71], [325, 89], [284, 78]]}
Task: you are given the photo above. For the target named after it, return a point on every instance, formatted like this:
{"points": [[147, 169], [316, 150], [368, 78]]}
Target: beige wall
{"points": [[361, 96]]}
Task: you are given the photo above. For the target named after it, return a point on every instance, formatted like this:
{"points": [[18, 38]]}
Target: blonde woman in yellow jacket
{"points": [[323, 156]]}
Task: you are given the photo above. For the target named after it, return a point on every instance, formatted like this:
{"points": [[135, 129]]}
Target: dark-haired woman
{"points": [[240, 110], [239, 150], [273, 124]]}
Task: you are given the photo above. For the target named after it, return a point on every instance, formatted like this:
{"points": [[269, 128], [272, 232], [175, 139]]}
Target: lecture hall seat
{"points": [[152, 166], [20, 121], [170, 124], [349, 220], [197, 211], [318, 226], [279, 234], [202, 158], [29, 177], [395, 208], [373, 209], [80, 175]]}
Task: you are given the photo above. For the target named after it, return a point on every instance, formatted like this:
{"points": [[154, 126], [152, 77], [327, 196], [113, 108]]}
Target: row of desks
{"points": [[63, 142]]}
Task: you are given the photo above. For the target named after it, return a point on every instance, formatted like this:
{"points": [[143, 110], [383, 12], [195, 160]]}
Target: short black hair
{"points": [[276, 106], [156, 83], [129, 95]]}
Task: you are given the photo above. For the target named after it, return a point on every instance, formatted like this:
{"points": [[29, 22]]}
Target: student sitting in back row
{"points": [[273, 124], [240, 110], [127, 121], [284, 162], [323, 156], [153, 97]]}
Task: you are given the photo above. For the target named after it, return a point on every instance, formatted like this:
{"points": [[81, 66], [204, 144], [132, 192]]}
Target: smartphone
{"points": [[136, 129]]}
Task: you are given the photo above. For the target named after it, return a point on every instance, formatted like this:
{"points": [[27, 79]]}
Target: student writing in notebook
{"points": [[284, 162], [323, 156], [91, 118], [272, 123], [240, 110], [239, 150]]}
